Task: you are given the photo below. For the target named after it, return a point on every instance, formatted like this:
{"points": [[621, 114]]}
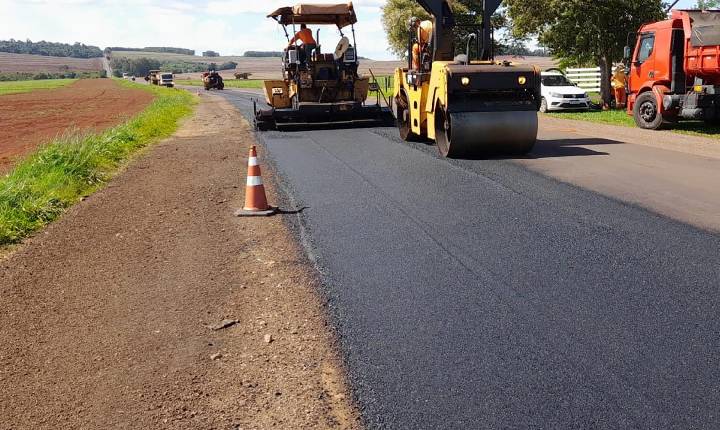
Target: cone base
{"points": [[244, 212]]}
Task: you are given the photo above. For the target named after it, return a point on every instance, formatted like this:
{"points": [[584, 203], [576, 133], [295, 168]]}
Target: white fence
{"points": [[587, 79]]}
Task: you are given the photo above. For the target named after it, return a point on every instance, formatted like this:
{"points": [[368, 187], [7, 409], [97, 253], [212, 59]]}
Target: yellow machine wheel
{"points": [[402, 116], [476, 134]]}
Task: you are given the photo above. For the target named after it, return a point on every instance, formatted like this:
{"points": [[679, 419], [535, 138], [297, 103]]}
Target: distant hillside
{"points": [[262, 54], [162, 49], [77, 50]]}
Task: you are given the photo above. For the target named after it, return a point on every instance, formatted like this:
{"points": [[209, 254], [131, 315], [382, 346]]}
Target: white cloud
{"points": [[227, 26]]}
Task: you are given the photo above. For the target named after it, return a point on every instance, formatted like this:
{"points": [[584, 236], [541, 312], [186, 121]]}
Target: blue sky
{"points": [[227, 26]]}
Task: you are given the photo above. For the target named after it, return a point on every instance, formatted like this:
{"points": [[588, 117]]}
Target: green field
{"points": [[169, 56], [42, 186], [16, 87]]}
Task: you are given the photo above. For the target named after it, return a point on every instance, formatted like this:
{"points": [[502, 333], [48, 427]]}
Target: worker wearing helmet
{"points": [[618, 82], [423, 35], [305, 36]]}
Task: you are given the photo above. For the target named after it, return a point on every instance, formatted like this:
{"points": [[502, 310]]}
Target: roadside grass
{"points": [[42, 186], [16, 87], [621, 118]]}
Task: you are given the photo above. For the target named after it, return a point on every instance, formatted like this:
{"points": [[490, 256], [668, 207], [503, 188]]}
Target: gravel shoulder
{"points": [[106, 313]]}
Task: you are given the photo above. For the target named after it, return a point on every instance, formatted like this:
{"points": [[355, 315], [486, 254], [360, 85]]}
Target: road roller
{"points": [[464, 100]]}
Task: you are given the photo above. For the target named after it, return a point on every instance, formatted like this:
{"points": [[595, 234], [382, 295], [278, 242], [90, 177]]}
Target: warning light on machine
{"points": [[465, 80], [522, 80]]}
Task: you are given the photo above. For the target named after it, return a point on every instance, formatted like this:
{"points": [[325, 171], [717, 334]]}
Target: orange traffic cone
{"points": [[255, 199]]}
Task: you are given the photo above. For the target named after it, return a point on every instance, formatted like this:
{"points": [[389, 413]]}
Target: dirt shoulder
{"points": [[106, 313], [31, 119]]}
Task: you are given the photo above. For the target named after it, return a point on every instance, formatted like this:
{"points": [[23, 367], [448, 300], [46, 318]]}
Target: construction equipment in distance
{"points": [[319, 89], [469, 107], [212, 80], [153, 77], [675, 70]]}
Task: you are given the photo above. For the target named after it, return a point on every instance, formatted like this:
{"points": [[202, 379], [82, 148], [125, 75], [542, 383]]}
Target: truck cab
{"points": [[167, 80], [674, 70]]}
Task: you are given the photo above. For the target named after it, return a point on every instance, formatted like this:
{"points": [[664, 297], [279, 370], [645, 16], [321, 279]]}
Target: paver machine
{"points": [[470, 106], [320, 88]]}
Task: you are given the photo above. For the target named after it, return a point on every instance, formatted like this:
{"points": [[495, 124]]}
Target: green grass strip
{"points": [[16, 87], [621, 118], [42, 186]]}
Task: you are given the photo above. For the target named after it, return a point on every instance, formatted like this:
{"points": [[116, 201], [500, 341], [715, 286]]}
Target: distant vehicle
{"points": [[167, 80], [559, 93], [125, 75], [212, 80], [153, 77]]}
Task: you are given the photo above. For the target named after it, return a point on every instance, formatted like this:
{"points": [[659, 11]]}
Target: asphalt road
{"points": [[483, 294]]}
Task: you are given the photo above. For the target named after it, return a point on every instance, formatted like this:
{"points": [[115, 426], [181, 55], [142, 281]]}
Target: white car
{"points": [[558, 93]]}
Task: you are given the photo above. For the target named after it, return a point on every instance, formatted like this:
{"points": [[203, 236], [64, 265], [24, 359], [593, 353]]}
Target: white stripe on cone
{"points": [[253, 181], [253, 161]]}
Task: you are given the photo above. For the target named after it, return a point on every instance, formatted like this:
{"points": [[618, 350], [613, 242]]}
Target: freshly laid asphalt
{"points": [[480, 294]]}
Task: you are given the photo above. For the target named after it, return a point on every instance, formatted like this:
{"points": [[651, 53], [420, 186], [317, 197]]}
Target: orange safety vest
{"points": [[305, 36]]}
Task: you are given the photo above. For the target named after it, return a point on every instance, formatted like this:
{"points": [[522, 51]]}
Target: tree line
{"points": [[29, 76], [142, 66], [76, 50], [164, 49]]}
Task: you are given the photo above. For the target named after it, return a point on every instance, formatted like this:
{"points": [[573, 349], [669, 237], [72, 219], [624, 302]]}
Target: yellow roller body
{"points": [[470, 109]]}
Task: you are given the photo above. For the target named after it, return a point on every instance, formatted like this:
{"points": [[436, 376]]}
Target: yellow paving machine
{"points": [[469, 106], [320, 88]]}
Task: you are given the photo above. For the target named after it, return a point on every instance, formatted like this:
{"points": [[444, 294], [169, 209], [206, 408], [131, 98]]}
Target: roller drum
{"points": [[469, 134]]}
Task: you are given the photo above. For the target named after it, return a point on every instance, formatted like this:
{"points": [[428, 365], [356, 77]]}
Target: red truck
{"points": [[674, 70]]}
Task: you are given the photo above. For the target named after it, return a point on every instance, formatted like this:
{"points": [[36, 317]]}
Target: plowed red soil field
{"points": [[31, 119]]}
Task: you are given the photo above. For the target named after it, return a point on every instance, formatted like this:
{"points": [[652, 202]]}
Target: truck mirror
{"points": [[627, 53]]}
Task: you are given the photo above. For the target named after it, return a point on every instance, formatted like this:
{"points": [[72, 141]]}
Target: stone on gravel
{"points": [[268, 338], [223, 324], [216, 356]]}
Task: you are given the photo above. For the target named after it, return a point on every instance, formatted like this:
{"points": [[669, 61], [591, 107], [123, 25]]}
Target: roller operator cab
{"points": [[319, 88], [674, 70], [469, 107]]}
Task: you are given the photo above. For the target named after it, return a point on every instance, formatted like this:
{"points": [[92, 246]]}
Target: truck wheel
{"points": [[543, 105], [646, 112]]}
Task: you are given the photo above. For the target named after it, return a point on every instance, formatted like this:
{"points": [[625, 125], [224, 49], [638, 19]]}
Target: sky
{"points": [[230, 27]]}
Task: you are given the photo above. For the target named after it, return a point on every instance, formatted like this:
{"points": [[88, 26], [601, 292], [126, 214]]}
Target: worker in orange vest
{"points": [[618, 82], [424, 31], [305, 36]]}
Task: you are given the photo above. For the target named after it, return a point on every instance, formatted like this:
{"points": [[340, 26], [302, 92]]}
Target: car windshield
{"points": [[167, 76], [556, 81]]}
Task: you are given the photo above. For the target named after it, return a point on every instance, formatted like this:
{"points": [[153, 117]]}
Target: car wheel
{"points": [[543, 105], [646, 112]]}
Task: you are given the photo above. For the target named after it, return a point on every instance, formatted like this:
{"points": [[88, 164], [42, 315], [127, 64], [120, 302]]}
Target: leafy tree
{"points": [[584, 32], [77, 50], [707, 4], [397, 13]]}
